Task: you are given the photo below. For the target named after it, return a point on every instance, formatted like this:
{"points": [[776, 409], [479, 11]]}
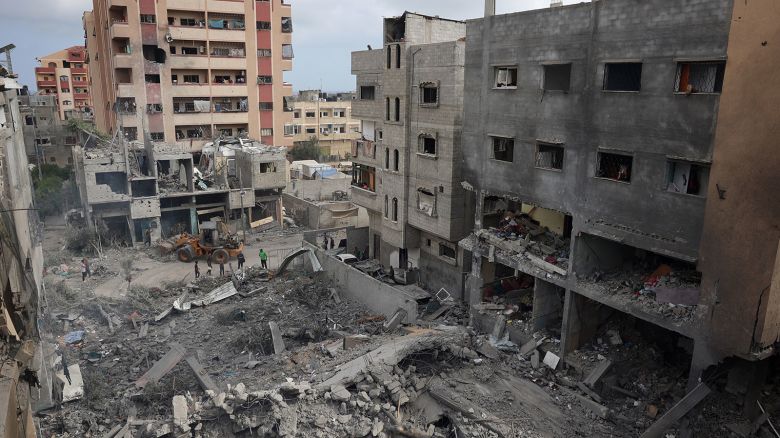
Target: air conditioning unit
{"points": [[202, 49], [169, 37]]}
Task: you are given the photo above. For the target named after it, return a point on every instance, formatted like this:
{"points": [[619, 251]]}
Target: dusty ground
{"points": [[441, 381]]}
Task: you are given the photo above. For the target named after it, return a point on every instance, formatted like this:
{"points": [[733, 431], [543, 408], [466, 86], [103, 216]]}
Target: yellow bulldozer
{"points": [[215, 239]]}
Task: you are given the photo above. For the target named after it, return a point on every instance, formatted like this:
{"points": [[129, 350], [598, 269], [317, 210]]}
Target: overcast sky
{"points": [[324, 32]]}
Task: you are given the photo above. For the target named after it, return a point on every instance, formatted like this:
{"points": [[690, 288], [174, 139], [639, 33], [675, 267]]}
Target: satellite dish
{"points": [[168, 37]]}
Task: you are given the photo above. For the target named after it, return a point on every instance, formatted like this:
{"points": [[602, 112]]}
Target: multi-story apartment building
{"points": [[407, 165], [188, 72], [607, 150], [21, 278], [47, 138], [327, 118], [65, 74]]}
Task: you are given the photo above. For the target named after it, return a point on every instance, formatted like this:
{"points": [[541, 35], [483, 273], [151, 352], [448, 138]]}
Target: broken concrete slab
{"points": [[391, 352], [180, 413], [315, 263], [276, 336], [74, 389], [693, 398], [352, 341], [597, 372], [589, 392], [162, 366], [227, 290], [200, 373], [598, 409], [487, 350], [393, 323], [498, 327], [535, 359], [551, 360], [528, 347]]}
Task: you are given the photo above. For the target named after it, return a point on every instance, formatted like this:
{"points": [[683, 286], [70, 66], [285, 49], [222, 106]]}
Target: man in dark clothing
{"points": [[221, 269], [197, 270], [241, 260]]}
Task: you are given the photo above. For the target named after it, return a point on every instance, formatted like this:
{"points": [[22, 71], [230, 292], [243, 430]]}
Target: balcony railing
{"points": [[228, 53]]}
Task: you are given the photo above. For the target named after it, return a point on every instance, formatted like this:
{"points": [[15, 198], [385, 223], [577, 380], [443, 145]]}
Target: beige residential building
{"points": [[328, 118], [65, 75], [191, 71]]}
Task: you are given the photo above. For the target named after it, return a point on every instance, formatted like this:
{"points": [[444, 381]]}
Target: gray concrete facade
{"points": [[657, 122], [652, 125], [417, 94]]}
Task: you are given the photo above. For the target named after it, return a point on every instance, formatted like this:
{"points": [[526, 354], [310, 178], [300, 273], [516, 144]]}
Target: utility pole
{"points": [[243, 222], [37, 145]]}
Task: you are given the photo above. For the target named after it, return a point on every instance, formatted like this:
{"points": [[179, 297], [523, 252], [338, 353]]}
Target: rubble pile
{"points": [[669, 291], [518, 234]]}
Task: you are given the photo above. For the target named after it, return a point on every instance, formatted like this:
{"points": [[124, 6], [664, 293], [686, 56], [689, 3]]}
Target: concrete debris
{"points": [[73, 388], [227, 290], [180, 413], [395, 321], [276, 336], [551, 360], [162, 366], [289, 357]]}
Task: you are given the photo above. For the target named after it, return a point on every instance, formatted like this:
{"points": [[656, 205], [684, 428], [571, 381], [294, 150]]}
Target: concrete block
{"points": [[180, 411]]}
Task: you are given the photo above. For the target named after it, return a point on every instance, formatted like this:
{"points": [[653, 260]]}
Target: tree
{"points": [[56, 191], [306, 150]]}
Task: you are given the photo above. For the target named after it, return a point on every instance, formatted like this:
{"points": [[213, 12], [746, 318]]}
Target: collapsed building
{"points": [[24, 383], [602, 166], [597, 163], [132, 187]]}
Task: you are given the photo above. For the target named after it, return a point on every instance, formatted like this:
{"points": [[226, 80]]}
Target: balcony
{"points": [[227, 21], [82, 96], [188, 33], [194, 62], [218, 63], [226, 7], [76, 70], [190, 90], [120, 29], [45, 70], [192, 118], [47, 83], [226, 35], [229, 90], [123, 60]]}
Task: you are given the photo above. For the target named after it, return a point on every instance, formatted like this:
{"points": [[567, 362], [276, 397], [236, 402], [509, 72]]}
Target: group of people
{"points": [[240, 258]]}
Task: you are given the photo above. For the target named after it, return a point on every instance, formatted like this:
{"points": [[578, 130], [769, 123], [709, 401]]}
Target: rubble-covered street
{"points": [[261, 354], [285, 356]]}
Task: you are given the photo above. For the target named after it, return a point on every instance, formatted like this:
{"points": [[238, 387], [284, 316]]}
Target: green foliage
{"points": [[55, 190], [306, 150], [77, 125]]}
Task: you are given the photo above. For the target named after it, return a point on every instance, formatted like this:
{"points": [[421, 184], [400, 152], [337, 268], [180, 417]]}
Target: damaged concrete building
{"points": [[20, 279], [133, 187], [407, 163], [46, 137], [611, 183]]}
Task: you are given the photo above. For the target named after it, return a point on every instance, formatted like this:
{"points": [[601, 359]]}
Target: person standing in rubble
{"points": [[148, 237], [221, 268], [241, 259], [197, 270], [263, 258], [208, 265], [83, 270]]}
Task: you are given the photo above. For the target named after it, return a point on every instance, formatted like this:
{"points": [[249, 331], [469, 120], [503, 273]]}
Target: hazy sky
{"points": [[324, 32]]}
